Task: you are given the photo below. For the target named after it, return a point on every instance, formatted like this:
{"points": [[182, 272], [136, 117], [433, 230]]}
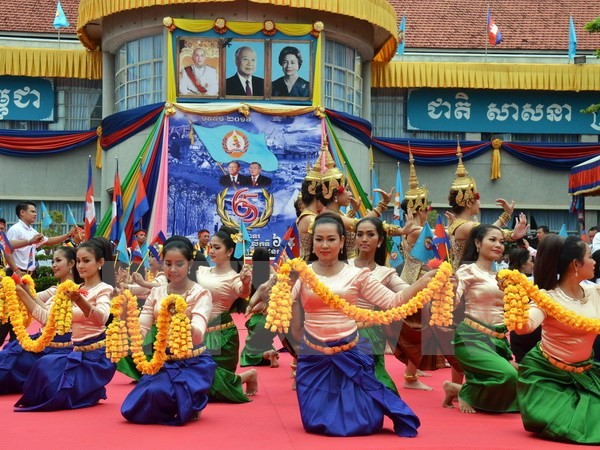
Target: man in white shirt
{"points": [[25, 240]]}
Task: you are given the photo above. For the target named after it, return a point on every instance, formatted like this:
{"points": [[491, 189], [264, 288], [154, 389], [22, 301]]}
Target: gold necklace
{"points": [[582, 301]]}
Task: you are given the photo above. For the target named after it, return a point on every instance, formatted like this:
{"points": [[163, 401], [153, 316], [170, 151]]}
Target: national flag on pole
{"points": [[563, 231], [154, 252], [136, 254], [70, 217], [117, 208], [441, 239], [60, 18], [46, 219], [160, 238], [121, 249], [584, 236], [424, 250], [90, 209], [401, 37], [494, 34], [374, 180], [144, 250], [398, 196], [244, 243], [141, 205], [5, 244], [572, 39], [31, 260], [395, 253], [227, 143], [290, 244]]}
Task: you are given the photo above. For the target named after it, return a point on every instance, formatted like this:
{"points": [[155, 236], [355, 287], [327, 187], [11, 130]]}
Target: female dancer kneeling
{"points": [[178, 392], [337, 390], [559, 381], [76, 380], [15, 362], [480, 340]]}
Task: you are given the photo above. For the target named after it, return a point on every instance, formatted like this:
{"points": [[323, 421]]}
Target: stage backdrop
{"points": [[206, 151]]}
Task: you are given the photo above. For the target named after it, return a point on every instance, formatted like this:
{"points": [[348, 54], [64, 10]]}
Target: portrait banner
{"points": [[230, 168]]}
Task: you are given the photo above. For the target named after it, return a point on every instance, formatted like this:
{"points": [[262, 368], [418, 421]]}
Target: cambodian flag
{"points": [[160, 239], [441, 239], [90, 209], [117, 208], [290, 244], [5, 244], [494, 35], [141, 205]]}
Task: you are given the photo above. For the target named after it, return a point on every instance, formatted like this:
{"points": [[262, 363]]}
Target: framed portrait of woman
{"points": [[291, 69], [199, 68], [245, 68]]}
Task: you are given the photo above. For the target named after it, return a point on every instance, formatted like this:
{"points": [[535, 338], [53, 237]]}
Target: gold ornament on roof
{"points": [[416, 196], [463, 185]]}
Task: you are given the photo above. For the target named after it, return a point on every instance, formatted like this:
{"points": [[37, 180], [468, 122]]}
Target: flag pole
{"points": [[487, 30]]}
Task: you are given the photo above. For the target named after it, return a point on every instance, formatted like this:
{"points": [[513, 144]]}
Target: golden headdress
{"points": [[416, 196], [325, 172], [463, 185]]}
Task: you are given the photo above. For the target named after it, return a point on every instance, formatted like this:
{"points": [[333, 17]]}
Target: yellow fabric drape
{"points": [[217, 109], [46, 62], [244, 29], [551, 77], [94, 10], [495, 164], [377, 12]]}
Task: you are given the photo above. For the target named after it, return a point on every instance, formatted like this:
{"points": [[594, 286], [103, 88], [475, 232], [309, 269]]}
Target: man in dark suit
{"points": [[235, 179], [243, 82], [256, 179]]}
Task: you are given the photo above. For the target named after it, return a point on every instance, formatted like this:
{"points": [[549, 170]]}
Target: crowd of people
{"points": [[543, 369]]}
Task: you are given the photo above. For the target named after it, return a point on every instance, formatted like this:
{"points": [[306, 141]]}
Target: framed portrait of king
{"points": [[245, 68], [199, 68]]}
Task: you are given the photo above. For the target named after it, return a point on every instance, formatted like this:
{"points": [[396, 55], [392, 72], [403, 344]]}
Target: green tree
{"points": [[593, 27]]}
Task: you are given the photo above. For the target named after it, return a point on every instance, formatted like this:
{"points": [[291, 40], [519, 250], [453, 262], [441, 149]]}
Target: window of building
{"points": [[139, 73], [82, 103], [342, 78]]}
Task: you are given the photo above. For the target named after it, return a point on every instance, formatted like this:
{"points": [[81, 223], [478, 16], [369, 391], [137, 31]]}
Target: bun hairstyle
{"points": [[329, 218], [224, 234], [554, 255], [476, 235], [180, 243], [381, 251], [101, 248]]}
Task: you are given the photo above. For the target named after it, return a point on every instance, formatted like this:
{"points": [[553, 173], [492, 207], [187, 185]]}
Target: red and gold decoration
{"points": [[439, 290]]}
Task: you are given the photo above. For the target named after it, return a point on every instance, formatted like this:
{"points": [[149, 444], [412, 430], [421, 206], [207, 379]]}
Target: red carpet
{"points": [[270, 421]]}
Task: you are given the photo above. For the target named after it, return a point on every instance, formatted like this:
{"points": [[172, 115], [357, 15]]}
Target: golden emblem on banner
{"points": [[235, 143], [244, 209]]}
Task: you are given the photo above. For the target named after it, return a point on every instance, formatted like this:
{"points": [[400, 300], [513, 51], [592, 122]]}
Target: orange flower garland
{"points": [[174, 331], [56, 316], [516, 299], [279, 311], [117, 340], [549, 305]]}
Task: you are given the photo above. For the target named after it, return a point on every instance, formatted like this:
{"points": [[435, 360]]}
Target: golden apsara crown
{"points": [[416, 196], [463, 184]]}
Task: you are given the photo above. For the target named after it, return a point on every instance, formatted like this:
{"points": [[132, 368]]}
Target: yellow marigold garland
{"points": [[173, 325], [117, 339], [516, 299], [547, 304], [279, 310], [56, 315]]}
